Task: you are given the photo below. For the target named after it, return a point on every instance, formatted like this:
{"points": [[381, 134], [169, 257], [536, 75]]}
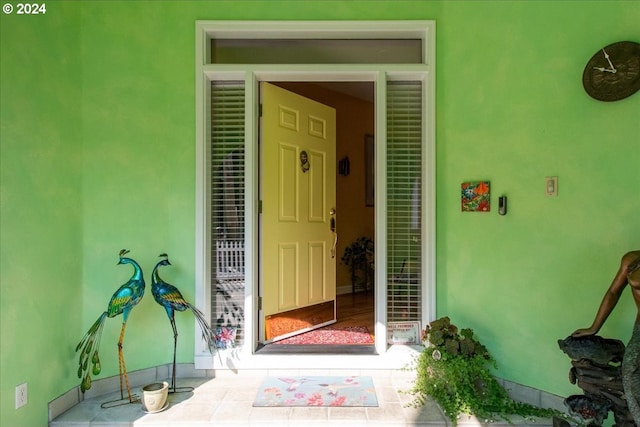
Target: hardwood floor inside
{"points": [[355, 310]]}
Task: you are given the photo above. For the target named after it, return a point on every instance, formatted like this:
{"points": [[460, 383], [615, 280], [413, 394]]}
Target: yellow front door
{"points": [[298, 173]]}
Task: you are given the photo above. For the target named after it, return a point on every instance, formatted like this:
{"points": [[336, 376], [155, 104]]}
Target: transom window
{"points": [[316, 51]]}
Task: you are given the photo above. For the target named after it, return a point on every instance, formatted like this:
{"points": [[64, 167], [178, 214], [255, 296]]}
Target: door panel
{"points": [[317, 278], [289, 288], [298, 191], [317, 191], [288, 183]]}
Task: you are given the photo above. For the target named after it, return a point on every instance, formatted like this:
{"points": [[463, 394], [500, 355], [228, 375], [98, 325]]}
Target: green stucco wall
{"points": [[41, 234], [511, 109], [97, 151]]}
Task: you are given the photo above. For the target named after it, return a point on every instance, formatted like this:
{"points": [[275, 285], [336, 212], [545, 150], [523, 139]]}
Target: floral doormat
{"points": [[316, 391], [351, 335]]}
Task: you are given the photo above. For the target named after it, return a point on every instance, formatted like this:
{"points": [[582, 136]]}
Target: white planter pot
{"points": [[154, 397]]}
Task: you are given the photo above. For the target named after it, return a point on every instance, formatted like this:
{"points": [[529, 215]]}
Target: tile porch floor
{"points": [[227, 401]]}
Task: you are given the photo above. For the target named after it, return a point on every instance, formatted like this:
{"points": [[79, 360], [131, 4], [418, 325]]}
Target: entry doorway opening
{"points": [[354, 220]]}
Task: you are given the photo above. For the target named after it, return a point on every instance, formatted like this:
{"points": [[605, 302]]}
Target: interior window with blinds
{"points": [[227, 206], [404, 189]]}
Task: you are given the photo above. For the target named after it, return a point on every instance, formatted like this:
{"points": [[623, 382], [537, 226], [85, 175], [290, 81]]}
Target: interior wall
{"points": [[354, 120], [97, 142]]}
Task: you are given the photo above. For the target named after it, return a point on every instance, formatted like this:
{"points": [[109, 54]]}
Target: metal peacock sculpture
{"points": [[122, 301], [171, 299]]}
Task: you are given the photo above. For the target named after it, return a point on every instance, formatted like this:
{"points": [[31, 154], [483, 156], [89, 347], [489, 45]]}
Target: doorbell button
{"points": [[502, 205]]}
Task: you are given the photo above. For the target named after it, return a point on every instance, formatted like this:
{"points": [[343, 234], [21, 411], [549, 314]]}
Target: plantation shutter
{"points": [[227, 205], [404, 189]]}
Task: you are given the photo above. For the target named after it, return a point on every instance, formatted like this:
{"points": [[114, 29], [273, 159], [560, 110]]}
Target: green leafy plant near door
{"points": [[454, 370], [358, 256]]}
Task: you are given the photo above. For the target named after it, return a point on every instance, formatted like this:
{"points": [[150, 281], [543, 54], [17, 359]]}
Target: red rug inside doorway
{"points": [[351, 335]]}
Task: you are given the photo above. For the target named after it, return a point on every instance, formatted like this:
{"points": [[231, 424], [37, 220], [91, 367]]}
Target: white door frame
{"points": [[252, 74]]}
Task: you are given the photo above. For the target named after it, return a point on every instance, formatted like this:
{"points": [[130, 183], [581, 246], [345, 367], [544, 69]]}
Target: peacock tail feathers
{"points": [[95, 360], [89, 347], [86, 383], [207, 333]]}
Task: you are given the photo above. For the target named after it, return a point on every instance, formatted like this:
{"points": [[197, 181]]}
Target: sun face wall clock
{"points": [[613, 73]]}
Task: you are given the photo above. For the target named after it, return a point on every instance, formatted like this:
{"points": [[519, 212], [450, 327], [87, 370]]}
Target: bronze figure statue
{"points": [[628, 273]]}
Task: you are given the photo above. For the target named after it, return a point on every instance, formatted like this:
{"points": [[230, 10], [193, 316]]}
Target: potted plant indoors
{"points": [[358, 256]]}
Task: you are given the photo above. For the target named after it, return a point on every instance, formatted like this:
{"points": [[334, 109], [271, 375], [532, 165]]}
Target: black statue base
{"points": [[597, 371], [180, 390], [120, 402]]}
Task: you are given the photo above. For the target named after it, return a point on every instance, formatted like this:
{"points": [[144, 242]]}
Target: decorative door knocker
{"points": [[304, 161]]}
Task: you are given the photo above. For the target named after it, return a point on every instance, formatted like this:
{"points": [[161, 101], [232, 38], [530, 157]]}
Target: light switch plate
{"points": [[21, 395]]}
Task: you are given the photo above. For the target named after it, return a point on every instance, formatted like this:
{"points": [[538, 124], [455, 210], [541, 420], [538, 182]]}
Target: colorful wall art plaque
{"points": [[475, 196]]}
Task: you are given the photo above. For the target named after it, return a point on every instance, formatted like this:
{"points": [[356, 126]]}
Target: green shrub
{"points": [[454, 370]]}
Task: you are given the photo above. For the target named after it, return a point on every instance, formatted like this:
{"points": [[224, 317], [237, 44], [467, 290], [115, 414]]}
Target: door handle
{"points": [[332, 226]]}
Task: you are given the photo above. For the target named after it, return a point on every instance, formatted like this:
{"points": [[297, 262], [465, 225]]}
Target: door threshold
{"points": [[316, 349]]}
